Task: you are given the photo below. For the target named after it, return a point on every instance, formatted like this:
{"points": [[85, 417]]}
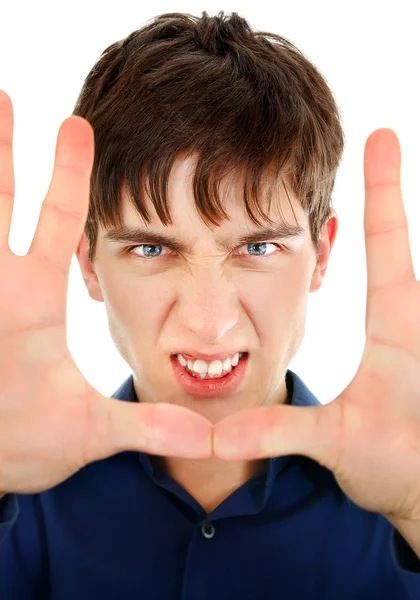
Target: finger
{"points": [[7, 178], [161, 428], [64, 210], [388, 254], [271, 431]]}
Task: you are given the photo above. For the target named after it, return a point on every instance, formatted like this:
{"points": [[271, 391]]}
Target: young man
{"points": [[196, 192]]}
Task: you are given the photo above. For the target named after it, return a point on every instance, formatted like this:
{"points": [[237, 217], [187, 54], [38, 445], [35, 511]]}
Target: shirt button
{"points": [[208, 530]]}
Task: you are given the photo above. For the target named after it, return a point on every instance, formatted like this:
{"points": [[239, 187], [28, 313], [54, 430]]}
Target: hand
{"points": [[52, 422], [369, 436]]}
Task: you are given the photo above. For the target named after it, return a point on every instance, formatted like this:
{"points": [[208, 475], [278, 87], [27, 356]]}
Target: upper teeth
{"points": [[215, 367]]}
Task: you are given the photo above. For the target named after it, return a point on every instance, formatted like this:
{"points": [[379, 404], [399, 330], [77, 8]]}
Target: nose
{"points": [[208, 305]]}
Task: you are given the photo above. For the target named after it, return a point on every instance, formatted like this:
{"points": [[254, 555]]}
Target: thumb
{"points": [[269, 431], [166, 429]]}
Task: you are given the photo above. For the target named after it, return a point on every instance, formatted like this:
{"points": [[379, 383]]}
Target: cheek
{"points": [[275, 292], [276, 305], [134, 304]]}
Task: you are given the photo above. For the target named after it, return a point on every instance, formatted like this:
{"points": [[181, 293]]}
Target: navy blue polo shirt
{"points": [[121, 528]]}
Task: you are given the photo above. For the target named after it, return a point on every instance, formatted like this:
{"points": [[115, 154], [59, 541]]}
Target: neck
{"points": [[209, 481]]}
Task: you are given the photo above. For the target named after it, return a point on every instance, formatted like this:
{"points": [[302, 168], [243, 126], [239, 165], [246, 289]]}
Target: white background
{"points": [[369, 55]]}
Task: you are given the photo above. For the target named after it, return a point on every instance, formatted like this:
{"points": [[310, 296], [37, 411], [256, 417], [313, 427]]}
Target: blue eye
{"points": [[150, 250], [264, 244], [148, 253]]}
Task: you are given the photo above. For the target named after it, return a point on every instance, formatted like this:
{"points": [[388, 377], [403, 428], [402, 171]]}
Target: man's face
{"points": [[252, 298]]}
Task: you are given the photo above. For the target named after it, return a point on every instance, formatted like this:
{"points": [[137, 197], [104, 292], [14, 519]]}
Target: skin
{"points": [[253, 300]]}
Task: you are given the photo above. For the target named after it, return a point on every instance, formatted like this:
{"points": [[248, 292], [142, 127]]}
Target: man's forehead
{"points": [[288, 220], [276, 201]]}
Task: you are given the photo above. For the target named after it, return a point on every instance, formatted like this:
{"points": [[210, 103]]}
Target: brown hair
{"points": [[247, 102]]}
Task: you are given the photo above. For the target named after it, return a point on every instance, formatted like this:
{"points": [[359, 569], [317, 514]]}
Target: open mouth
{"points": [[204, 370], [209, 385]]}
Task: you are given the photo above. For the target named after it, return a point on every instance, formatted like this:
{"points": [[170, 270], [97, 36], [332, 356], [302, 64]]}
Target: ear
{"points": [[326, 242], [88, 270]]}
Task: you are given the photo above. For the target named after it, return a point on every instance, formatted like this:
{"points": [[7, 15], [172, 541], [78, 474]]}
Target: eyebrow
{"points": [[138, 235]]}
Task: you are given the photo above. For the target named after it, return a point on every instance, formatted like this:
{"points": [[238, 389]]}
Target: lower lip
{"points": [[209, 388]]}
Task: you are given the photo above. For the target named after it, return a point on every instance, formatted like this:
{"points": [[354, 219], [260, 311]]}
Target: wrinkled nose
{"points": [[208, 305]]}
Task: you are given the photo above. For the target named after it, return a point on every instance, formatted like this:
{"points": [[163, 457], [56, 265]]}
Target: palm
{"points": [[381, 408], [369, 436]]}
